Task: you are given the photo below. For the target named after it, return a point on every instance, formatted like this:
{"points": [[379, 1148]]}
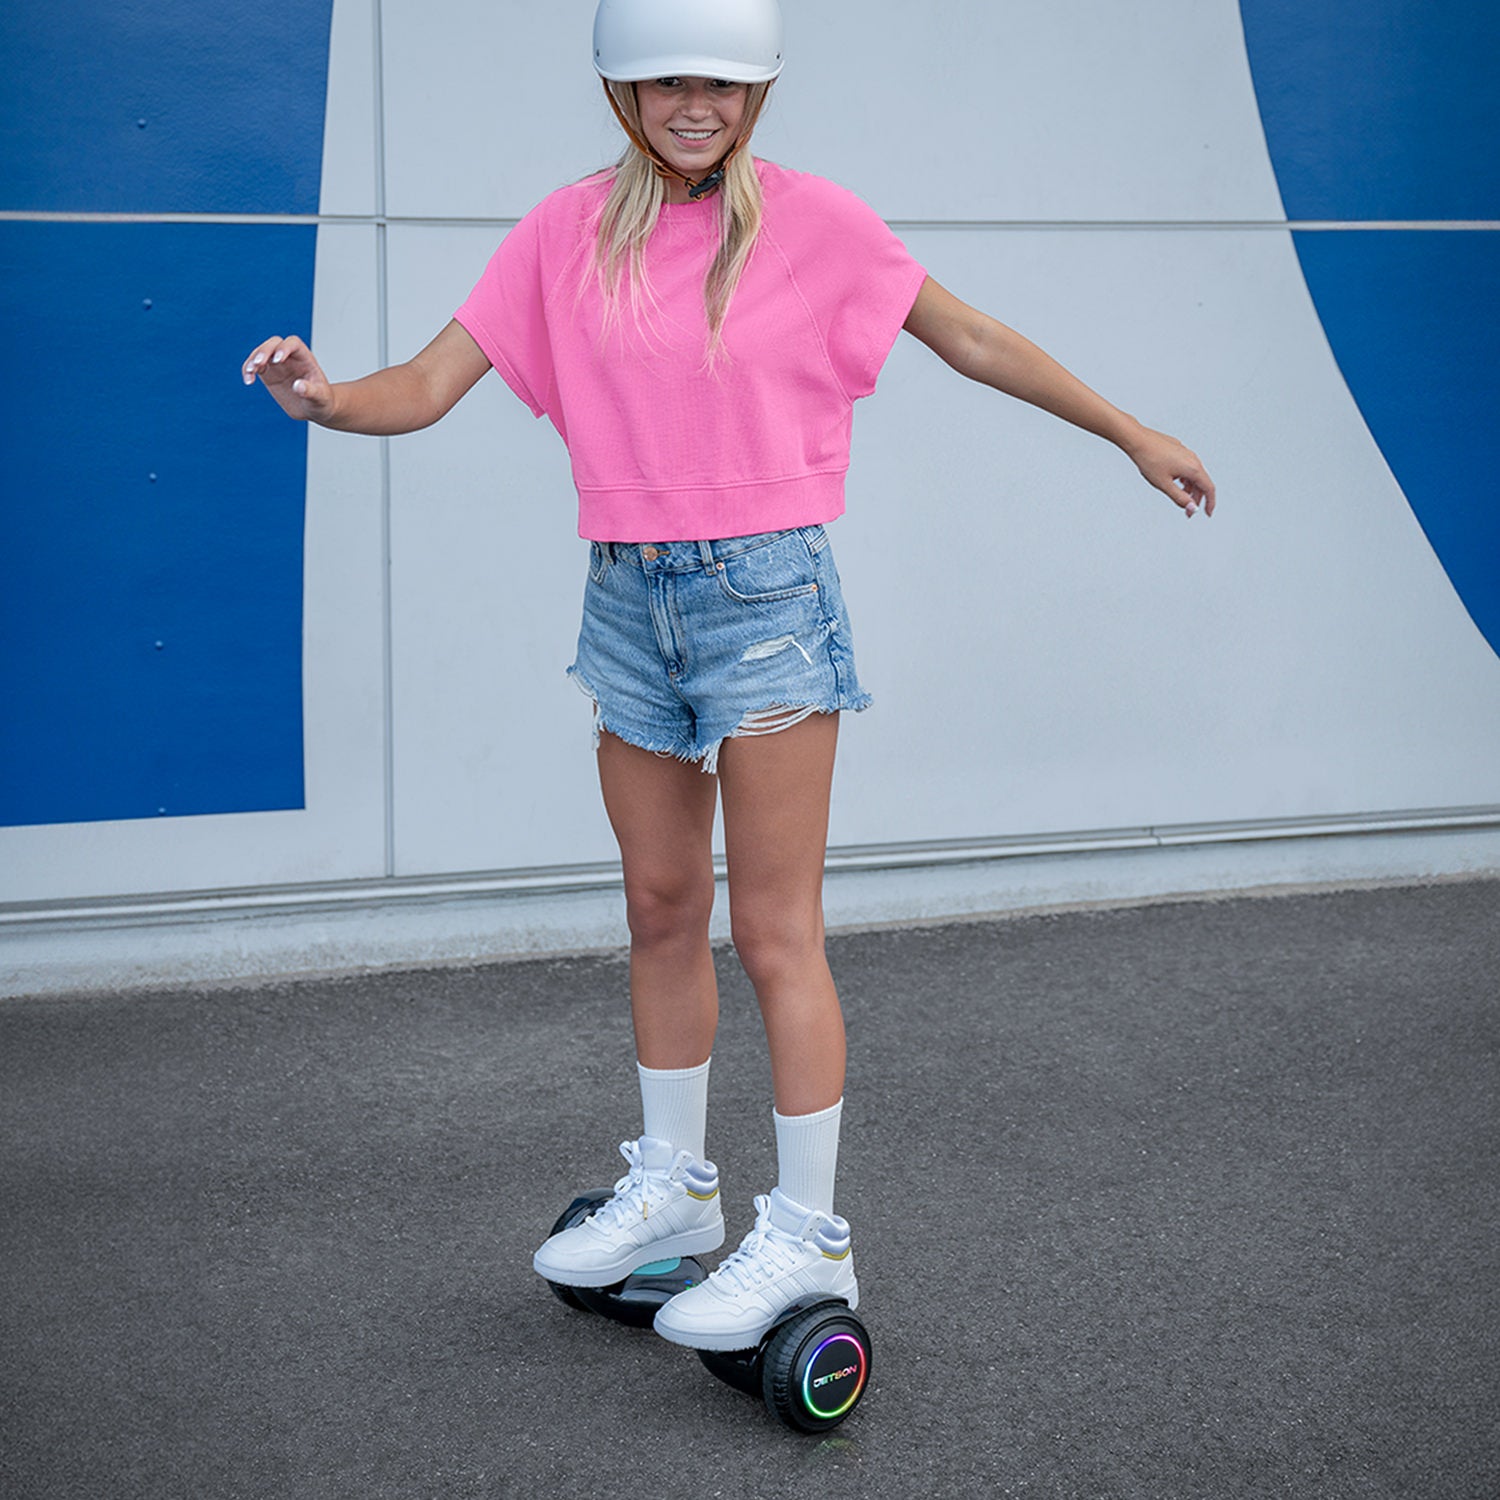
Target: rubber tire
{"points": [[785, 1359], [579, 1209]]}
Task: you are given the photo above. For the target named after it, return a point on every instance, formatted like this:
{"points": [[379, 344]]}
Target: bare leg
{"points": [[775, 789], [662, 812]]}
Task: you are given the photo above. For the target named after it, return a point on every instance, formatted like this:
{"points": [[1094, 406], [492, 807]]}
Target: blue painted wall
{"points": [[1389, 110], [1413, 318], [1380, 109], [163, 106], [151, 568]]}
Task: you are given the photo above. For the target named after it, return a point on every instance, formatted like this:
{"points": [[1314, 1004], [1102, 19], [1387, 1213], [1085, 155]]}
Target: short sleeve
{"points": [[507, 315], [856, 275]]}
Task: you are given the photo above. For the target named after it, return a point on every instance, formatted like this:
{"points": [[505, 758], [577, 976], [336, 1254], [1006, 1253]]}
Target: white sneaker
{"points": [[792, 1254], [666, 1205]]}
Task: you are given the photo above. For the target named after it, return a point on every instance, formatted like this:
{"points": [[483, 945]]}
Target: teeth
{"points": [[693, 135]]}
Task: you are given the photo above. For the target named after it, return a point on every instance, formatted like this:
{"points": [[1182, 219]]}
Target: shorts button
{"points": [[650, 553]]}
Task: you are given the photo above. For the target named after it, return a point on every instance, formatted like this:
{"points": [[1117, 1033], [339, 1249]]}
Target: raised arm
{"points": [[402, 398], [976, 345]]}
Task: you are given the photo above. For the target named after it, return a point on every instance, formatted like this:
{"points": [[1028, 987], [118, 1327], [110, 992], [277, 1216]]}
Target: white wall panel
{"points": [[490, 104], [493, 748], [1054, 648], [340, 834], [351, 127], [1053, 109], [1041, 111]]}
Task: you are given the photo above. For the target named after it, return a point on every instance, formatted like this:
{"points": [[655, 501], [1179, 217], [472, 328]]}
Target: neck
{"points": [[684, 190]]}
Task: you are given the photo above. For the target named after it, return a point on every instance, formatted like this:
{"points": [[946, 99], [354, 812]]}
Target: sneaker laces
{"points": [[765, 1252], [635, 1192]]}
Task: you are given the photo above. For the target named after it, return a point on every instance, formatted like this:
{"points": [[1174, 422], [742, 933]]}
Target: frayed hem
{"points": [[602, 727], [759, 722], [586, 688], [756, 723], [666, 752]]}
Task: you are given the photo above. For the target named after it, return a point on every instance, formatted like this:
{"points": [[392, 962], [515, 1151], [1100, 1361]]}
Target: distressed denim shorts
{"points": [[685, 644]]}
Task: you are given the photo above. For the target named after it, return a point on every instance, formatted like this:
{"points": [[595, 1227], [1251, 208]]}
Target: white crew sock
{"points": [[674, 1105], [807, 1156]]}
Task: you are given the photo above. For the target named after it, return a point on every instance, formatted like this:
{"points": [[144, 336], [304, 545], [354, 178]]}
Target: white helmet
{"points": [[738, 40]]}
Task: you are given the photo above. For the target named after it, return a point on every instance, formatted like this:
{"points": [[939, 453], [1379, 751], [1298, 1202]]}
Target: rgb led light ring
{"points": [[818, 1389]]}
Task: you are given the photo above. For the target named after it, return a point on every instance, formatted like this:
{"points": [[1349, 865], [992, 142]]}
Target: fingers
{"points": [[272, 353], [1178, 473], [260, 357], [287, 369], [1206, 491], [1198, 489]]}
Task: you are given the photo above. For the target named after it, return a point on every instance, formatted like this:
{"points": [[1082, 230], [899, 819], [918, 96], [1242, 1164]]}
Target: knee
{"points": [[776, 946], [669, 907]]}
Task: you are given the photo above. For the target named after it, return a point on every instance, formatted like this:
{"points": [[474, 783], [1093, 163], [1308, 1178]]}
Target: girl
{"points": [[697, 324]]}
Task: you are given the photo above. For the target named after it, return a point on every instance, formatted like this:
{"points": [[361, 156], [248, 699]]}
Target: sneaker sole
{"points": [[729, 1343], [606, 1273]]}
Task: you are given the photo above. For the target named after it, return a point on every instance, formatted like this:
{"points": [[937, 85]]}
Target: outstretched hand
{"points": [[1175, 470], [287, 369]]}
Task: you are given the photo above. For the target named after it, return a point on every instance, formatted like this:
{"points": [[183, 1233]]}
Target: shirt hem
{"points": [[709, 514]]}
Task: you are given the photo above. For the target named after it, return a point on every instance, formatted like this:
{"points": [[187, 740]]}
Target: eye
{"points": [[669, 83]]}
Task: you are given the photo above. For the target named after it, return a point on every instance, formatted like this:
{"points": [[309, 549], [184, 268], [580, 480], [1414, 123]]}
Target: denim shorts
{"points": [[685, 644]]}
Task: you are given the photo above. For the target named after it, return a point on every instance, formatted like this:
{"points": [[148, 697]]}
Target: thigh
{"points": [[776, 789], [662, 813]]}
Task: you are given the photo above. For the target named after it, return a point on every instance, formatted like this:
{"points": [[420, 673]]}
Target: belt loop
{"points": [[706, 552]]}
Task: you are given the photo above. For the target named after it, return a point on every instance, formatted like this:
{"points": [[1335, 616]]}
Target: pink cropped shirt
{"points": [[664, 445]]}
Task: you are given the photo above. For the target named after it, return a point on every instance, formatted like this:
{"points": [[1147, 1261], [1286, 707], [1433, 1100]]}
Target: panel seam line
{"points": [[381, 220]]}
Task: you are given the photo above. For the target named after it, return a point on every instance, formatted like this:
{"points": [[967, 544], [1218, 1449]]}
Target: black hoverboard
{"points": [[810, 1367]]}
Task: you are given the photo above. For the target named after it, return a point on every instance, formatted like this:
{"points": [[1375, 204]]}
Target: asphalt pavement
{"points": [[1193, 1199]]}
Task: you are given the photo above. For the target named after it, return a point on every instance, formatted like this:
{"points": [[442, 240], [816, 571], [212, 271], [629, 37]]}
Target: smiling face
{"points": [[692, 122]]}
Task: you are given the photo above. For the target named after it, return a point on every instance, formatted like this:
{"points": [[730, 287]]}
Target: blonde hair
{"points": [[634, 204]]}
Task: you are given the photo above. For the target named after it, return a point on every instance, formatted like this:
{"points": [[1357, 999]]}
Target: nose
{"points": [[699, 101]]}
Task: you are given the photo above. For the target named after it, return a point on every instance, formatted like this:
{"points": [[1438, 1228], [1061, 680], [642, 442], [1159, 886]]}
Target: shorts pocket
{"points": [[782, 569], [598, 561]]}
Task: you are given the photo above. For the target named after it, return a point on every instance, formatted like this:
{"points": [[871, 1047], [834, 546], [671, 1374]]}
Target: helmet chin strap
{"points": [[696, 188]]}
